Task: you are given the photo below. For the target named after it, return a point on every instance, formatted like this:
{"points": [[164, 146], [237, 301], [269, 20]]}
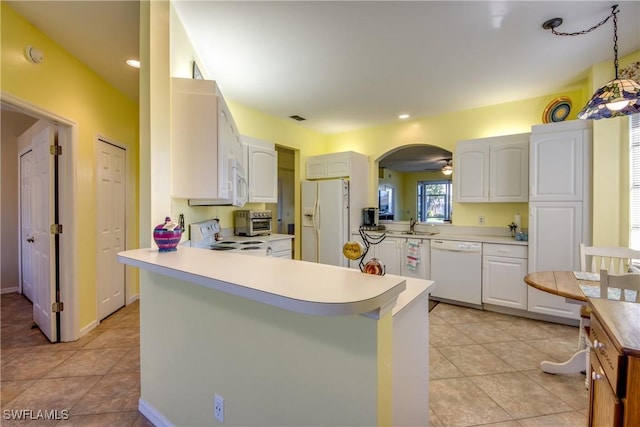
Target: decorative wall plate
{"points": [[557, 110]]}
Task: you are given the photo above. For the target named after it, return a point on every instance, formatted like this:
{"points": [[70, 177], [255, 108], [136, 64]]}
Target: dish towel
{"points": [[413, 255]]}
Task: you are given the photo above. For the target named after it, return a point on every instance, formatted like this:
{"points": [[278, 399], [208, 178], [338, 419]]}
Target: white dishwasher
{"points": [[456, 268]]}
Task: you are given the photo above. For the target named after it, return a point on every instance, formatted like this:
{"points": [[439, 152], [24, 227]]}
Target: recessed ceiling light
{"points": [[133, 63], [403, 116]]}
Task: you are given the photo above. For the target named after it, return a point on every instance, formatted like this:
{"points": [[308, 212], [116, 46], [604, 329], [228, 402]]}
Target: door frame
{"points": [[68, 137], [127, 271]]}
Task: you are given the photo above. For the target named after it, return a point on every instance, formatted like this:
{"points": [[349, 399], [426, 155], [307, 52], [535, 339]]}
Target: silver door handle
{"points": [[31, 239]]}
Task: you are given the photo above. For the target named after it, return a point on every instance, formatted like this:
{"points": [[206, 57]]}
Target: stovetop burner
{"points": [[222, 248]]}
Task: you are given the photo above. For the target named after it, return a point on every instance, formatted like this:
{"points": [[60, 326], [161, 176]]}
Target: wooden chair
{"points": [[621, 282], [612, 259]]}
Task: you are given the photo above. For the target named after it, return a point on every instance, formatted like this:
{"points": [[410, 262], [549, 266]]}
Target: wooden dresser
{"points": [[614, 389]]}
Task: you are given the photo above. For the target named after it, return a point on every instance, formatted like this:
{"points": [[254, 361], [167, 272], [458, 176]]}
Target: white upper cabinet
{"points": [[262, 170], [471, 173], [205, 144], [558, 157], [492, 169], [334, 165]]}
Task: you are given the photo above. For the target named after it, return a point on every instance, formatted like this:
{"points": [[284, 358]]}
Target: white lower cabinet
{"points": [[394, 253], [503, 271], [415, 258], [280, 248], [389, 252]]}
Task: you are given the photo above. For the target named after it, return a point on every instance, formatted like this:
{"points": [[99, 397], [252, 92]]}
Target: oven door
{"points": [[261, 226]]}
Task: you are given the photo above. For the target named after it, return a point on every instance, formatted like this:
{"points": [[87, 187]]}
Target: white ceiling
{"points": [[346, 65]]}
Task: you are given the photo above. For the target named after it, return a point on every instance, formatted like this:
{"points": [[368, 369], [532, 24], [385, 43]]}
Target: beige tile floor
{"points": [[483, 370], [96, 379]]}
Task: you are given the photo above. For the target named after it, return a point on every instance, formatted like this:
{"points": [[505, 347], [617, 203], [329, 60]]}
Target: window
{"points": [[634, 202], [386, 202], [434, 201]]}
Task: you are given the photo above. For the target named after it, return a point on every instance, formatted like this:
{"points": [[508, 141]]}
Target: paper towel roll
{"points": [[517, 222]]}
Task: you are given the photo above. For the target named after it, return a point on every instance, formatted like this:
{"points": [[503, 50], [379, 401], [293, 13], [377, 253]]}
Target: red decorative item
{"points": [[167, 235]]}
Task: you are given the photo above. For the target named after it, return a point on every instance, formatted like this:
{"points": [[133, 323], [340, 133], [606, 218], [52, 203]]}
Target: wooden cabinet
{"points": [[492, 169], [262, 170], [204, 143], [503, 270], [614, 386]]}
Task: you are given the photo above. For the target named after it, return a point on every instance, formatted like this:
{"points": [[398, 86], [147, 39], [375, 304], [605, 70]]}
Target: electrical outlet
{"points": [[481, 220], [218, 408]]}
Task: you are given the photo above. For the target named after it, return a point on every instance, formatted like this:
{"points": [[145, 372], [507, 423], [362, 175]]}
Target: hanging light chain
{"points": [[614, 14]]}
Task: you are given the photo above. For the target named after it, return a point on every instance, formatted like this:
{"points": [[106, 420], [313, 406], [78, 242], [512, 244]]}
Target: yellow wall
{"points": [[611, 185], [444, 131], [250, 122], [64, 86]]}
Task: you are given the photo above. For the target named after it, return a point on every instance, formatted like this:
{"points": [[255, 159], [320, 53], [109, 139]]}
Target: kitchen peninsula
{"points": [[283, 342]]}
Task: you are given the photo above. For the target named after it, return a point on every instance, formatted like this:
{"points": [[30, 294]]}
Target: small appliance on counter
{"points": [[370, 218], [252, 223]]}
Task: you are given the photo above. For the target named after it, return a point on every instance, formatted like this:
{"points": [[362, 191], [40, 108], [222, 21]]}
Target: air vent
{"points": [[297, 117]]}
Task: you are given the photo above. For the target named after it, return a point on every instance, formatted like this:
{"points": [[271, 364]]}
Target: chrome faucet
{"points": [[412, 223]]}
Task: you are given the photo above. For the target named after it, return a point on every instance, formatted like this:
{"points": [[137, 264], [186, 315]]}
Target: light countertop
{"points": [[507, 240], [293, 285]]}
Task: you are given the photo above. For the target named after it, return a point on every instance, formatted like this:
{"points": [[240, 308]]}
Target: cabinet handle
{"points": [[595, 376], [598, 344]]}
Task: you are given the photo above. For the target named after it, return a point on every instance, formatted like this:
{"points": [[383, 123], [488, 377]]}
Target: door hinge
{"points": [[56, 228], [55, 150], [57, 307]]}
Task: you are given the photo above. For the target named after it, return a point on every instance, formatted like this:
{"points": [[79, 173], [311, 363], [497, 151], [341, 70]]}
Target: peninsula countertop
{"points": [[299, 286]]}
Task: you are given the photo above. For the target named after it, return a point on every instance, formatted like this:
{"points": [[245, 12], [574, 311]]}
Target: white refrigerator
{"points": [[325, 221]]}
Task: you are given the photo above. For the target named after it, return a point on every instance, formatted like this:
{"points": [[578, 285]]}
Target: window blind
{"points": [[634, 140]]}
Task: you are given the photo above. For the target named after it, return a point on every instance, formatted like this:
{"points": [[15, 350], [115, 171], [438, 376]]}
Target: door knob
{"points": [[31, 239]]}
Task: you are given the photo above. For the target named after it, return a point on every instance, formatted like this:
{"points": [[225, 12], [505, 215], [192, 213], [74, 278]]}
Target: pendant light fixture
{"points": [[619, 97]]}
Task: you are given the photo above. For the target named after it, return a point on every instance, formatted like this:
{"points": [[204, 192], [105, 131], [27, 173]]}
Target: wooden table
{"points": [[565, 284]]}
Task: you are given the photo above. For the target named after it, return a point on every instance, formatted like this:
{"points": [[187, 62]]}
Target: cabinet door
{"points": [[422, 270], [471, 177], [557, 166], [502, 281], [555, 233], [605, 409], [263, 175], [334, 165], [509, 171], [194, 140], [389, 252]]}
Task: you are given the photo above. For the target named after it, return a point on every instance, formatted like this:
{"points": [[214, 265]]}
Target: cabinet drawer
{"points": [[510, 251], [611, 361], [280, 245]]}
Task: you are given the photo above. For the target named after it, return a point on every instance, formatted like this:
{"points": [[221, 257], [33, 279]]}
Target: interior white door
{"points": [[111, 227], [43, 240], [26, 225]]}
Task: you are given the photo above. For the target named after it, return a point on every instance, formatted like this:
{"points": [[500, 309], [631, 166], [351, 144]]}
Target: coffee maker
{"points": [[370, 218]]}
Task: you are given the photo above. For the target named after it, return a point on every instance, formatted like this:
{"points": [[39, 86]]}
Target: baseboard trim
{"points": [[9, 290], [84, 331], [152, 414], [133, 299]]}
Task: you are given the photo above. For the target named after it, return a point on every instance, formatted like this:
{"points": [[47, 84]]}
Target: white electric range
{"points": [[203, 236]]}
